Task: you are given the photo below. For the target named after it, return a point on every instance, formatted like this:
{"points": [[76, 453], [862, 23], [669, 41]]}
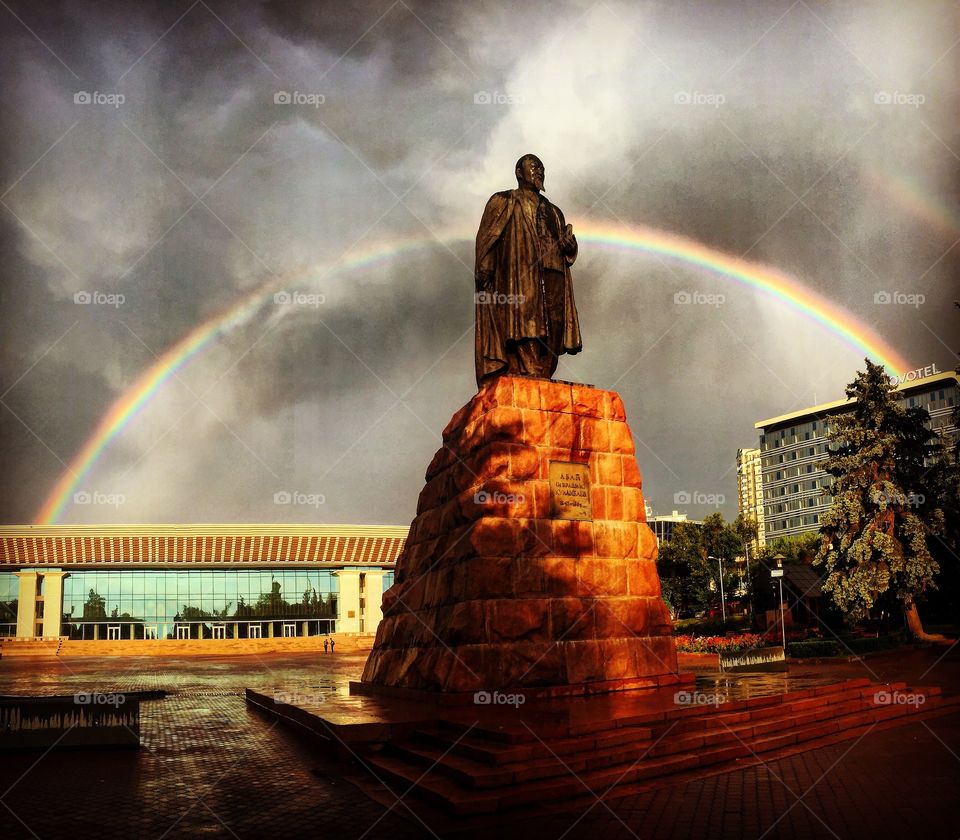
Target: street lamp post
{"points": [[723, 600], [778, 573]]}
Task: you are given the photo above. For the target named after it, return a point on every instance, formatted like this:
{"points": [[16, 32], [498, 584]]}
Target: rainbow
{"points": [[762, 278]]}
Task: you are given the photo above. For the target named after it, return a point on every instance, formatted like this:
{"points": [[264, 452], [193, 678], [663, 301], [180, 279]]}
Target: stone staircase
{"points": [[474, 768], [45, 646]]}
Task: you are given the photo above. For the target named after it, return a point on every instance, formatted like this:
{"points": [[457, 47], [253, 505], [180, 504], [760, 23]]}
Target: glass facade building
{"points": [[9, 586], [198, 604], [91, 583], [793, 449]]}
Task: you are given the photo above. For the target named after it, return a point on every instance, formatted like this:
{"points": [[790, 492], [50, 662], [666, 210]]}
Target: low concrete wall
{"points": [[345, 643], [753, 658]]}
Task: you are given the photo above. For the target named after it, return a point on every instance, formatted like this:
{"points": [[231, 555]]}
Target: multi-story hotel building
{"points": [[793, 448], [750, 492]]}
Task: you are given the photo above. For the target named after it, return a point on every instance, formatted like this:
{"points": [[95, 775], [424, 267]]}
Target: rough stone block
{"points": [[601, 577], [620, 438], [594, 435], [587, 402], [572, 618], [554, 396], [584, 661], [512, 619]]}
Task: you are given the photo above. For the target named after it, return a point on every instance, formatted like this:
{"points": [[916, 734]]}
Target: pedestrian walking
{"points": [[325, 643]]}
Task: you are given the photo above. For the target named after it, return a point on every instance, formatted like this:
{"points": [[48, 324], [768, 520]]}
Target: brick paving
{"points": [[209, 767]]}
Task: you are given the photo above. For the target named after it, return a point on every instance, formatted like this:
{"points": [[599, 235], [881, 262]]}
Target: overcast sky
{"points": [[146, 155]]}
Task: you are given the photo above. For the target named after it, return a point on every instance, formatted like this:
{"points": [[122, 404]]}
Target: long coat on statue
{"points": [[515, 308]]}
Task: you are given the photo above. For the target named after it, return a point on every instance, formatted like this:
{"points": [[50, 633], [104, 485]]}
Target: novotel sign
{"points": [[918, 373]]}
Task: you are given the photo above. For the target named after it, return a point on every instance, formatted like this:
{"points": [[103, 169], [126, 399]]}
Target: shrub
{"points": [[718, 644], [814, 647]]}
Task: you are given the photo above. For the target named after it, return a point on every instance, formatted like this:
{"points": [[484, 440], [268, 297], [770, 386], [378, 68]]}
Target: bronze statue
{"points": [[526, 315]]}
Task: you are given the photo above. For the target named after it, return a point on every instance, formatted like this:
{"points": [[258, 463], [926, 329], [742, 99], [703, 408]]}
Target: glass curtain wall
{"points": [[197, 604]]}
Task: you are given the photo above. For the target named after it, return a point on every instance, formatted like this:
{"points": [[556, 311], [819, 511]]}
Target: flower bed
{"points": [[718, 644]]}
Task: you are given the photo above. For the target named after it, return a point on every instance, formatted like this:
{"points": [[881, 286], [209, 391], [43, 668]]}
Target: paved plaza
{"points": [[211, 767]]}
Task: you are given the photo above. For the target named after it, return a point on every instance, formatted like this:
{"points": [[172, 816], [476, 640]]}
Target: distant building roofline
{"points": [[836, 405]]}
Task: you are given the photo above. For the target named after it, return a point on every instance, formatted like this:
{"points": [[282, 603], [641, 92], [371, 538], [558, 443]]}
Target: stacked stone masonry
{"points": [[492, 592]]}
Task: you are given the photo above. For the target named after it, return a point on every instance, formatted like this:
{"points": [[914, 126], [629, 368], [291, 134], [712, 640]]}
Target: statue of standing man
{"points": [[526, 315]]}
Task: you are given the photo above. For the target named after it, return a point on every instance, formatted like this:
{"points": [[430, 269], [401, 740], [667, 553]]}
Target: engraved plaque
{"points": [[570, 491]]}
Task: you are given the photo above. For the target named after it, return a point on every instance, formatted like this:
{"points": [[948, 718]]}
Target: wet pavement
{"points": [[211, 767]]}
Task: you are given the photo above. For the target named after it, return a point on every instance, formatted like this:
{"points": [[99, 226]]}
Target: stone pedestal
{"points": [[494, 591]]}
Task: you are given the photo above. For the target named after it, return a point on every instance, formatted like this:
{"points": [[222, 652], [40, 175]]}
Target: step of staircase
{"points": [[467, 768]]}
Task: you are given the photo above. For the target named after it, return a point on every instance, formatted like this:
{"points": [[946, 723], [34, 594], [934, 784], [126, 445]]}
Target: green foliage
{"points": [[711, 626], [845, 647], [867, 644], [688, 577], [813, 647], [874, 537]]}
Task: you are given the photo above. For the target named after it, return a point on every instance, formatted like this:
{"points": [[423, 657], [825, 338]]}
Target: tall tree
{"points": [[875, 533]]}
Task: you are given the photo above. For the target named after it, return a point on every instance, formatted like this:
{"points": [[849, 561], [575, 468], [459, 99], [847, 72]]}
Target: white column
{"points": [[348, 601], [27, 605], [373, 599], [52, 602]]}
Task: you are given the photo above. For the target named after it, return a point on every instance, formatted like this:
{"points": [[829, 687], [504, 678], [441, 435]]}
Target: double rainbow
{"points": [[762, 278]]}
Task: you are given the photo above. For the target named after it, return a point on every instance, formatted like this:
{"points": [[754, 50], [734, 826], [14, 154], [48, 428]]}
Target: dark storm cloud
{"points": [[398, 150]]}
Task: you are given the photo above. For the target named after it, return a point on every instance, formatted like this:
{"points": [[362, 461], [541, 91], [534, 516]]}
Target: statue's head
{"points": [[530, 172]]}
